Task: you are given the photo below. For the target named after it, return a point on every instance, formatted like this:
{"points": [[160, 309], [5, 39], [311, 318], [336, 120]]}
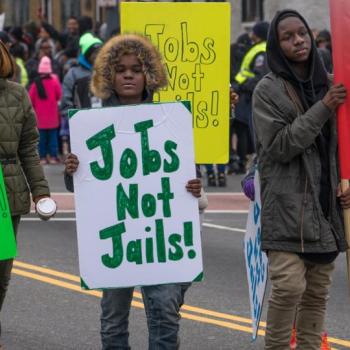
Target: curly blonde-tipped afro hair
{"points": [[102, 82]]}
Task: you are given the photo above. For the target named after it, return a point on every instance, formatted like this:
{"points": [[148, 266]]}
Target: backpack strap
{"points": [[292, 94]]}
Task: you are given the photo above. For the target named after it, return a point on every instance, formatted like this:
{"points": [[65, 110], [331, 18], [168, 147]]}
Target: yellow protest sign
{"points": [[194, 39]]}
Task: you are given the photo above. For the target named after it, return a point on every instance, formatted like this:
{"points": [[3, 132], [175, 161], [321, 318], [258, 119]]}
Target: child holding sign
{"points": [[128, 70]]}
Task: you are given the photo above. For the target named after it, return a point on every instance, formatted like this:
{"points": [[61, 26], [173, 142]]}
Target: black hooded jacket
{"points": [[297, 156], [310, 90]]}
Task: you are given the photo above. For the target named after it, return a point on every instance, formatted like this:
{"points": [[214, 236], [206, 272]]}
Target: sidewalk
{"points": [[220, 198]]}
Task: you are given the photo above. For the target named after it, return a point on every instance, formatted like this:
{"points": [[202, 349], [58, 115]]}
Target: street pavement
{"points": [[46, 308]]}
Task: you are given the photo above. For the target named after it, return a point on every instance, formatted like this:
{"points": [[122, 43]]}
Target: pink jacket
{"points": [[47, 113]]}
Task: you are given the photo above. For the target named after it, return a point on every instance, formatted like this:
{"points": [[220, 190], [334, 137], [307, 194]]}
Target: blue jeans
{"points": [[48, 143], [162, 306], [220, 168]]}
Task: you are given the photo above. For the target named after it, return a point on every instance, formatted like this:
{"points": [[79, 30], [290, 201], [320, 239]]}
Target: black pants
{"points": [[244, 140]]}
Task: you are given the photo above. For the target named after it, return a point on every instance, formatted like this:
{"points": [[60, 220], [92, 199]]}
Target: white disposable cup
{"points": [[46, 208]]}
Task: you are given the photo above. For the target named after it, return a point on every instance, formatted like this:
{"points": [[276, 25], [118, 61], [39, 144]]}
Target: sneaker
{"points": [[43, 161], [222, 179], [211, 180]]}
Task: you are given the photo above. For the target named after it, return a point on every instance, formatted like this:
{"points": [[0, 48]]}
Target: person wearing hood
{"points": [[252, 69], [296, 138], [89, 46], [128, 70]]}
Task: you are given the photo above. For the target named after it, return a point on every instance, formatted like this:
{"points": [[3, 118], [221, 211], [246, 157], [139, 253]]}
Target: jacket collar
{"points": [[113, 100]]}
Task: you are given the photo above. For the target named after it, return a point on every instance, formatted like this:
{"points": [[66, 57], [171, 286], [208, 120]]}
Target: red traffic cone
{"points": [[325, 345], [293, 339]]}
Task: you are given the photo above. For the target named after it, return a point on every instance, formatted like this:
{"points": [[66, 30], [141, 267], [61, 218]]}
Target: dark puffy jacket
{"points": [[19, 148], [290, 173]]}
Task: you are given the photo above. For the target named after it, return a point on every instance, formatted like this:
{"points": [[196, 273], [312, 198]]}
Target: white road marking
{"points": [[226, 228], [241, 194], [214, 211], [205, 224]]}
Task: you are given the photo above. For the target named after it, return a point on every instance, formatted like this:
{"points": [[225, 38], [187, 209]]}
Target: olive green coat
{"points": [[290, 173], [19, 157]]}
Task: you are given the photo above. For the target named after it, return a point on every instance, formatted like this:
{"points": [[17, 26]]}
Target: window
{"points": [[17, 12], [46, 9], [69, 8], [252, 10]]}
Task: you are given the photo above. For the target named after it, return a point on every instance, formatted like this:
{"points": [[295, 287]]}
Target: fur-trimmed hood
{"points": [[109, 55]]}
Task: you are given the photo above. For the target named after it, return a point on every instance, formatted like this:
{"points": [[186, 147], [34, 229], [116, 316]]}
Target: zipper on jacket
{"points": [[302, 215]]}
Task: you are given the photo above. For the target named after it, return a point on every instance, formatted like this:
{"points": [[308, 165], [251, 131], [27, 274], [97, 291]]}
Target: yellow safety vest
{"points": [[245, 71]]}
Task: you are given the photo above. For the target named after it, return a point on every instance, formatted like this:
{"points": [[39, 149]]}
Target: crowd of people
{"points": [[72, 52], [248, 67], [49, 65], [283, 109]]}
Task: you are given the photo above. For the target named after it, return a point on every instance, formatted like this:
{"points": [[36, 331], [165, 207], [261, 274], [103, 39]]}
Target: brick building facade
{"points": [[316, 12], [56, 12], [244, 12]]}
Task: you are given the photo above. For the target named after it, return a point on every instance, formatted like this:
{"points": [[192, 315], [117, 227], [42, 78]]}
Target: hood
{"points": [[314, 87], [84, 62], [45, 66], [113, 99], [109, 55], [87, 42]]}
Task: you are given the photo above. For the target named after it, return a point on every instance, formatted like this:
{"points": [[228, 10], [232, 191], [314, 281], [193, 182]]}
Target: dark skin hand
{"points": [[335, 96], [344, 198], [71, 164], [194, 186], [36, 199]]}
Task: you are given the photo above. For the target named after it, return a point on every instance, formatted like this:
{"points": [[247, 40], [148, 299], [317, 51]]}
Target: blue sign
{"points": [[256, 259]]}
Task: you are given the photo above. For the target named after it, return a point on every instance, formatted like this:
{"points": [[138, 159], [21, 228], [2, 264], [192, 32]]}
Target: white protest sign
{"points": [[255, 258], [136, 223]]}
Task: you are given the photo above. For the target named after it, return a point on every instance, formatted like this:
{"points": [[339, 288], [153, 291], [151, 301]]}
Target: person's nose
{"points": [[128, 74], [298, 40]]}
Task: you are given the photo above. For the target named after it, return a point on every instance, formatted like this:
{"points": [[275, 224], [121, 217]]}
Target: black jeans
{"points": [[244, 140], [6, 266]]}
